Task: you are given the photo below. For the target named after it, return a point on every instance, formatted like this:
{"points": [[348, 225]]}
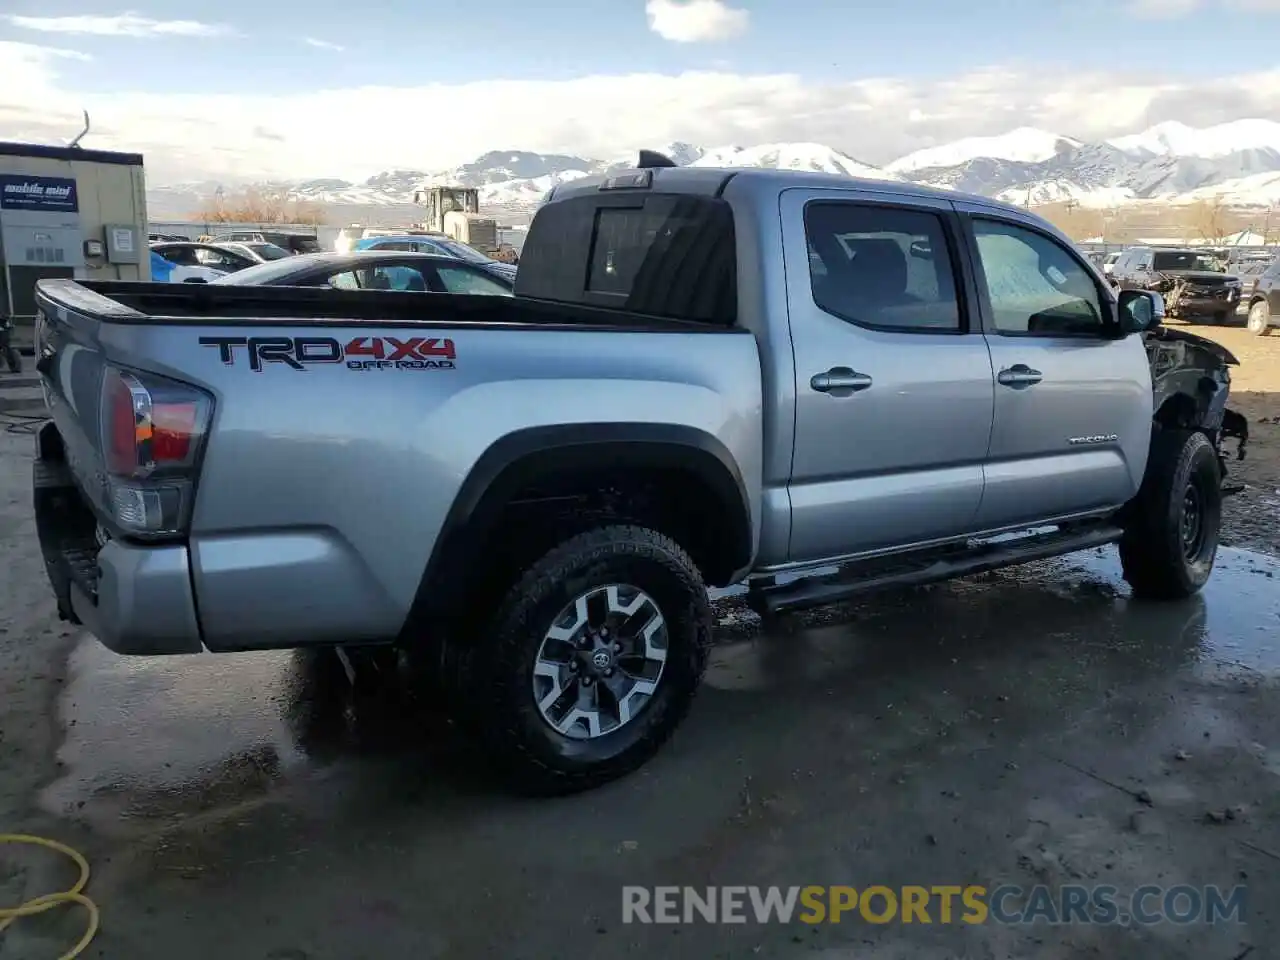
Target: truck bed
{"points": [[334, 454], [198, 304]]}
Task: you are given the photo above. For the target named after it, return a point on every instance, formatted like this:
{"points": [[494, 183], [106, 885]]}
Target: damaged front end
{"points": [[1191, 380]]}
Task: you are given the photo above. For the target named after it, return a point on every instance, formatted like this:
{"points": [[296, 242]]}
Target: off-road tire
{"points": [[529, 755], [1157, 563], [1259, 321]]}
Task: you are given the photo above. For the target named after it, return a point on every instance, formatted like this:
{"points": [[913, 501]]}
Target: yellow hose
{"points": [[51, 900]]}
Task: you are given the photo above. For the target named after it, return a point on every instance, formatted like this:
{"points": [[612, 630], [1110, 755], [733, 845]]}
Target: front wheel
{"points": [[591, 660], [1259, 318], [1171, 528]]}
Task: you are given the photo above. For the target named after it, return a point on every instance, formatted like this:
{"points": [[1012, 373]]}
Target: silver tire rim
{"points": [[600, 662], [1259, 318]]}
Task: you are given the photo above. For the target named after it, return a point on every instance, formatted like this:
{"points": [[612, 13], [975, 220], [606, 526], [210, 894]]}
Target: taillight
{"points": [[152, 434]]}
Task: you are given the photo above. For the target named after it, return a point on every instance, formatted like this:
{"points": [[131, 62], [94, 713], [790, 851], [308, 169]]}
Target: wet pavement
{"points": [[1032, 725]]}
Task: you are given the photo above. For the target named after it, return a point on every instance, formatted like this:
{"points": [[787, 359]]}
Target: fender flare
{"points": [[517, 458]]}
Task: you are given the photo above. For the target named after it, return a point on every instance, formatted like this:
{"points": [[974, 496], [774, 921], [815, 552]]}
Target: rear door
{"points": [[893, 386], [1072, 403]]}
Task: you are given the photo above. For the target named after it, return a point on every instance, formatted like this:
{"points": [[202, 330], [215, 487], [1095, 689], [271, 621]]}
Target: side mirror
{"points": [[1140, 311]]}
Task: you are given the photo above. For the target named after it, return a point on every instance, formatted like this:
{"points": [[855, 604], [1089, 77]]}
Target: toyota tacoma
{"points": [[707, 377]]}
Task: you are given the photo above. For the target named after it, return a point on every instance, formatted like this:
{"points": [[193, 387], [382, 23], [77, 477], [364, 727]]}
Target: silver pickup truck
{"points": [[706, 377]]}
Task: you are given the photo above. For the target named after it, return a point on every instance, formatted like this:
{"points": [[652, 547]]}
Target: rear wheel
{"points": [[591, 660], [1259, 318], [1172, 526]]}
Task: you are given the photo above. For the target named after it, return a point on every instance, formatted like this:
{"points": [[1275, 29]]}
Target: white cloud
{"points": [[126, 24], [355, 132], [695, 21], [1162, 9], [323, 44], [1176, 9]]}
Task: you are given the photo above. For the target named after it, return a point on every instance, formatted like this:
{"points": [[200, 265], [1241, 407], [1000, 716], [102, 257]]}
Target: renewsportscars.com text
{"points": [[944, 904]]}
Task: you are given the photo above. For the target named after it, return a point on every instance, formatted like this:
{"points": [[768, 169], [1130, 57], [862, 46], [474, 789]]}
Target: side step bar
{"points": [[885, 573]]}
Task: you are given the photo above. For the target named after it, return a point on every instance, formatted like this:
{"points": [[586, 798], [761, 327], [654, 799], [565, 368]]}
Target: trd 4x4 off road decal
{"points": [[362, 353]]}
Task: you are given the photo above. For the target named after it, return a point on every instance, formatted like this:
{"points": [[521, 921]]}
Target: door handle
{"points": [[840, 381], [1019, 375]]}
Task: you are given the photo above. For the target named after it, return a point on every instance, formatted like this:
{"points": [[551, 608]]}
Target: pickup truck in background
{"points": [[707, 376], [1193, 283]]}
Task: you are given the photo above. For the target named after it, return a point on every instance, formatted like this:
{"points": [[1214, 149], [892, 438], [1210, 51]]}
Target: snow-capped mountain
{"points": [[1179, 140], [1023, 145], [1168, 162], [1238, 162], [815, 157]]}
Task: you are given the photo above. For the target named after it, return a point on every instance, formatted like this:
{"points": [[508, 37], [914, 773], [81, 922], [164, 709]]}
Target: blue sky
{"points": [[238, 85], [424, 41]]}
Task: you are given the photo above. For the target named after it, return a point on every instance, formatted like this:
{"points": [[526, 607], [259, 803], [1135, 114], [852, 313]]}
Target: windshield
{"points": [[460, 250], [267, 272], [1186, 260], [269, 251]]}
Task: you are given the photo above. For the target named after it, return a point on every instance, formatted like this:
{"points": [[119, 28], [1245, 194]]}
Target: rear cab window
{"points": [[662, 255], [886, 268]]}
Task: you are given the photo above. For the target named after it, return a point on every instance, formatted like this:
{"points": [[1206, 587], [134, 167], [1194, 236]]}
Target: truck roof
{"points": [[710, 181]]}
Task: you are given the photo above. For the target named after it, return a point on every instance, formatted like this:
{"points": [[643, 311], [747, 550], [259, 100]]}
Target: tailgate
{"points": [[71, 369], [129, 438]]}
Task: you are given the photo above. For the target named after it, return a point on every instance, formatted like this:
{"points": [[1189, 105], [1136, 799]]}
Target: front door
{"points": [[1072, 402], [893, 385]]}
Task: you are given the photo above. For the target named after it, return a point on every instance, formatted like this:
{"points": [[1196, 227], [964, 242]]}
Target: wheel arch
{"points": [[525, 458]]}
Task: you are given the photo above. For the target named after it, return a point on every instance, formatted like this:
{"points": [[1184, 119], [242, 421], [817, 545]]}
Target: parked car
{"points": [[374, 270], [1249, 271], [1264, 301], [707, 377], [1109, 262], [188, 253], [258, 252], [1193, 283], [441, 246], [164, 270], [293, 242], [348, 237]]}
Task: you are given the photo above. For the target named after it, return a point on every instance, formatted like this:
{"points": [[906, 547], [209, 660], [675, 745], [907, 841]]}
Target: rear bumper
{"points": [[134, 599]]}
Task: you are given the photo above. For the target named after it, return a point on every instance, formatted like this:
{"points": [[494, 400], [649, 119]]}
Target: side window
{"points": [[395, 245], [1034, 285], [182, 256], [881, 267], [462, 280], [396, 278], [344, 281], [212, 258]]}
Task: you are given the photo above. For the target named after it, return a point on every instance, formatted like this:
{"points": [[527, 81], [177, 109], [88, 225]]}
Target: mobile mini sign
{"points": [[38, 194]]}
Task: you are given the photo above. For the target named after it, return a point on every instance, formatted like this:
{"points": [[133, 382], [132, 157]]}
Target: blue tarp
{"points": [[161, 269]]}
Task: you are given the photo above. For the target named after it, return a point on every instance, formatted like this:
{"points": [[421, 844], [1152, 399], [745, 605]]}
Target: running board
{"points": [[868, 576]]}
